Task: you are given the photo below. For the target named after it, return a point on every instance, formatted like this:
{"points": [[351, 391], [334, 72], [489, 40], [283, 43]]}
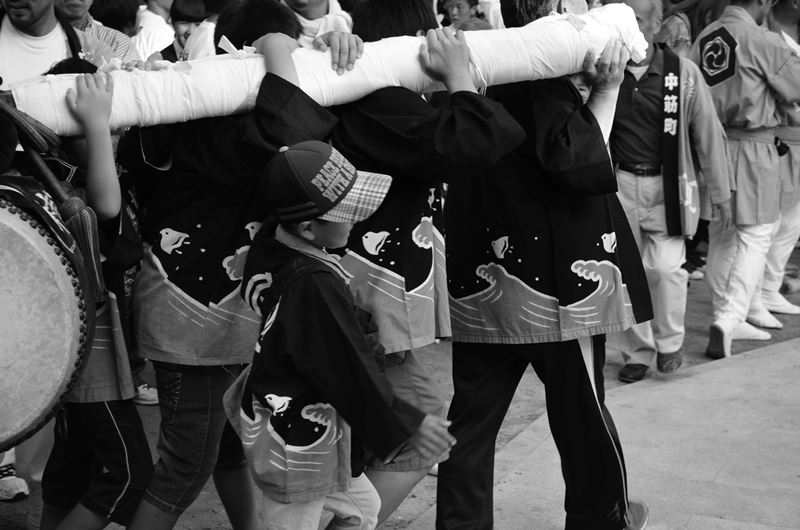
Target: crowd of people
{"points": [[280, 267]]}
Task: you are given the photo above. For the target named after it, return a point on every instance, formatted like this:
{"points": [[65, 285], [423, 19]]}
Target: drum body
{"points": [[45, 318]]}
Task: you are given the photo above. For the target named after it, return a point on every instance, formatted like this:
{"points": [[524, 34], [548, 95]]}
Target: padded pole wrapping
{"points": [[228, 84]]}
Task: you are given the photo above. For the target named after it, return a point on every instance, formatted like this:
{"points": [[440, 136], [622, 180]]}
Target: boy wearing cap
{"points": [[314, 377]]}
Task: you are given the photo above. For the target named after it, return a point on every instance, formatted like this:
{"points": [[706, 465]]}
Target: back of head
{"points": [[214, 7], [517, 13], [700, 13], [244, 21], [475, 24], [378, 19], [706, 12], [117, 14], [187, 11], [685, 7], [786, 10]]}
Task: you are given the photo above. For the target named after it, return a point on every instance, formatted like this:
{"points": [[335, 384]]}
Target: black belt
{"points": [[645, 169]]}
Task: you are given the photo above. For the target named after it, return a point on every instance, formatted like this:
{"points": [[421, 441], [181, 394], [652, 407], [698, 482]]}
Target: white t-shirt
{"points": [[23, 56], [154, 33], [201, 42], [638, 71]]}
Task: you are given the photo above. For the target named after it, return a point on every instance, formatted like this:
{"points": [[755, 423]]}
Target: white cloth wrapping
{"points": [[337, 19], [223, 85]]}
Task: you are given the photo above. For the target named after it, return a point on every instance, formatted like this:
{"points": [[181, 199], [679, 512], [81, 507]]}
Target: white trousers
{"points": [[780, 251], [735, 267], [642, 198], [354, 509]]}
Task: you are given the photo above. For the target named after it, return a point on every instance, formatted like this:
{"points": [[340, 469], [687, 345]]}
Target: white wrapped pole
{"points": [[228, 84]]}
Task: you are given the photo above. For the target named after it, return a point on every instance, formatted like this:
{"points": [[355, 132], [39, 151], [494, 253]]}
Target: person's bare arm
{"points": [[605, 76], [277, 50], [90, 103]]}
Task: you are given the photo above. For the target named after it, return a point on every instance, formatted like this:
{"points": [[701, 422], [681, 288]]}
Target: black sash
{"points": [[75, 63], [669, 139]]}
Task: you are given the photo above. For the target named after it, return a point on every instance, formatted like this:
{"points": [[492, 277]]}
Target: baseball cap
{"points": [[312, 180]]}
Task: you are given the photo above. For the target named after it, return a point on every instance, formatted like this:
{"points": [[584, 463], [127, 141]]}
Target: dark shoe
{"points": [[790, 285], [669, 362], [631, 373], [637, 515], [719, 342]]}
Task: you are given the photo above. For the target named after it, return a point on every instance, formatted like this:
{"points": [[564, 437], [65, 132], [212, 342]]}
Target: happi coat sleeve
{"points": [[395, 131], [566, 140], [235, 149], [704, 152]]}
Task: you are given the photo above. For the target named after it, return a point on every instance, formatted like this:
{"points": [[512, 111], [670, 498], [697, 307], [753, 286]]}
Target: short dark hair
{"points": [[517, 13], [213, 7], [245, 21], [699, 12], [116, 14], [378, 19], [187, 11]]}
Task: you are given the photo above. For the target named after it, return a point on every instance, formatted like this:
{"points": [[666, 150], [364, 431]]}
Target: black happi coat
{"points": [[539, 249], [314, 377], [396, 256], [200, 218]]}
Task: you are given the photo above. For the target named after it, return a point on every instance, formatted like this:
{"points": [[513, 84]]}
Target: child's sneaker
{"points": [[146, 395], [12, 488]]}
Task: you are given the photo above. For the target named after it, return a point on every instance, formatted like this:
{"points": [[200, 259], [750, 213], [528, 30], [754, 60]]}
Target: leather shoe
{"points": [[637, 515], [747, 331], [669, 362], [719, 341], [630, 373], [775, 303]]}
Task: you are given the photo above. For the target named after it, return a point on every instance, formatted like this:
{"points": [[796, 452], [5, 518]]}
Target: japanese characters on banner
{"points": [[671, 104]]}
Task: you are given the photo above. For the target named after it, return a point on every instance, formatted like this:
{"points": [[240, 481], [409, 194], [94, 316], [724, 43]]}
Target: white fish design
{"points": [[373, 241], [172, 240], [252, 227], [422, 235], [500, 246], [278, 403], [609, 242]]}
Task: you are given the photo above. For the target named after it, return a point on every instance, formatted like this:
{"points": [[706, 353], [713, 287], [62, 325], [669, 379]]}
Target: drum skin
{"points": [[42, 325]]}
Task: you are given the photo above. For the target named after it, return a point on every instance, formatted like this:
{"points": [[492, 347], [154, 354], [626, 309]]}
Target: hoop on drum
{"points": [[46, 311]]}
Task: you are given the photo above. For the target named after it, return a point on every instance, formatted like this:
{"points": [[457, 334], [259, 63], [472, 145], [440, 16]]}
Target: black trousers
{"points": [[485, 378], [100, 459]]}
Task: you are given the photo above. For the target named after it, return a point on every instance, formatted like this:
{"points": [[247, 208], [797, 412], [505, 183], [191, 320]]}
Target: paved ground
{"points": [[525, 428], [719, 450]]}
